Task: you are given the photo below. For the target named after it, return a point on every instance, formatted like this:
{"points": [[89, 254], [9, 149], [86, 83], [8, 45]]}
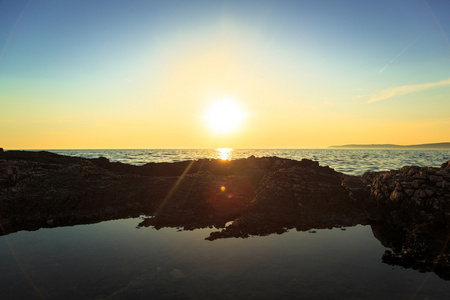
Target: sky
{"points": [[142, 74]]}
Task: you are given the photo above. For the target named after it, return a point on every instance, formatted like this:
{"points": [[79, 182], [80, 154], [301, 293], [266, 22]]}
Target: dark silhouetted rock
{"points": [[408, 209], [41, 186], [303, 197], [413, 207], [412, 195]]}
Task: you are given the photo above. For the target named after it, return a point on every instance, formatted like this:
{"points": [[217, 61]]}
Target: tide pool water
{"points": [[115, 260]]}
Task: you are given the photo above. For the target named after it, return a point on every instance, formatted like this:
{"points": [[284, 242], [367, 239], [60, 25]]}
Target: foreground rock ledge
{"points": [[260, 196]]}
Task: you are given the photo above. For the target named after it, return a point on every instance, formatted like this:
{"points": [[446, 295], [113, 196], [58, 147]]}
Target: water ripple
{"points": [[348, 161]]}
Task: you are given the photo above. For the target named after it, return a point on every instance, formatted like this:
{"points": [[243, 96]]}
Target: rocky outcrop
{"points": [[302, 197], [408, 209], [43, 193], [413, 216], [412, 194], [42, 189], [262, 196]]}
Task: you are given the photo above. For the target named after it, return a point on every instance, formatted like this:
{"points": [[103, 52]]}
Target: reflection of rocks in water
{"points": [[388, 237], [423, 250], [414, 216], [260, 195]]}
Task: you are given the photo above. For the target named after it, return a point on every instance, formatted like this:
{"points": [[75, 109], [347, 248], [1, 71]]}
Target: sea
{"points": [[348, 161], [117, 259]]}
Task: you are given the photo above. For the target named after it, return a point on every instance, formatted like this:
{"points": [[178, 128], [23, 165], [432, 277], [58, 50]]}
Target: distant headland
{"points": [[393, 146]]}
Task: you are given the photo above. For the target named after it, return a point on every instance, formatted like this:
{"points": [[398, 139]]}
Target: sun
{"points": [[224, 116]]}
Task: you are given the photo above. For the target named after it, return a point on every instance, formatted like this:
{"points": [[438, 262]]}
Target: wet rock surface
{"points": [[408, 209]]}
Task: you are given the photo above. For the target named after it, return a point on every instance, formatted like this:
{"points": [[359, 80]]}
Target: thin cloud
{"points": [[436, 20], [51, 121], [3, 49], [407, 89], [398, 55]]}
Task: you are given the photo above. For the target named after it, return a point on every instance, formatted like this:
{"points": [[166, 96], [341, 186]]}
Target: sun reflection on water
{"points": [[224, 153]]}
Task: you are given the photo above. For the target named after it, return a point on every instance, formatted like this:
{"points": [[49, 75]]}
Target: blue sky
{"points": [[309, 73]]}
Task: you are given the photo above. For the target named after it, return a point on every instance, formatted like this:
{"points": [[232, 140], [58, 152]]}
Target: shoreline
{"points": [[260, 196]]}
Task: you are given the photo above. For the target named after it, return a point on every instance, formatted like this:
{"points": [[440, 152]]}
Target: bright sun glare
{"points": [[224, 116]]}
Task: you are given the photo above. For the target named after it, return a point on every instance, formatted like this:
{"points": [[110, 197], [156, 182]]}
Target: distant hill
{"points": [[393, 146]]}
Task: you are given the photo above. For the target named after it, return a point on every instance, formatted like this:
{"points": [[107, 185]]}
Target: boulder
{"points": [[412, 195]]}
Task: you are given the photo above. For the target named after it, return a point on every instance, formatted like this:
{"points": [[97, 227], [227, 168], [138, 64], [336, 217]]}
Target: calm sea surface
{"points": [[116, 260], [349, 161]]}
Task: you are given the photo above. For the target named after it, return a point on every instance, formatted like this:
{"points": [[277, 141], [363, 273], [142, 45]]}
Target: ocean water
{"points": [[348, 161]]}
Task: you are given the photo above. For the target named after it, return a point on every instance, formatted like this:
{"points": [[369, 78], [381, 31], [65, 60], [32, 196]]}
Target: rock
{"points": [[428, 192], [177, 274], [446, 165], [396, 196], [409, 192], [420, 221], [102, 162], [260, 195], [435, 178], [416, 187], [40, 186], [420, 175], [422, 194], [302, 197]]}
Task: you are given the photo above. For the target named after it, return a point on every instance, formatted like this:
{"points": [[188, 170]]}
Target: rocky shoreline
{"points": [[408, 209], [413, 216]]}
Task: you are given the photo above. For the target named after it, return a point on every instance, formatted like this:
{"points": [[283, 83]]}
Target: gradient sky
{"points": [[140, 74]]}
